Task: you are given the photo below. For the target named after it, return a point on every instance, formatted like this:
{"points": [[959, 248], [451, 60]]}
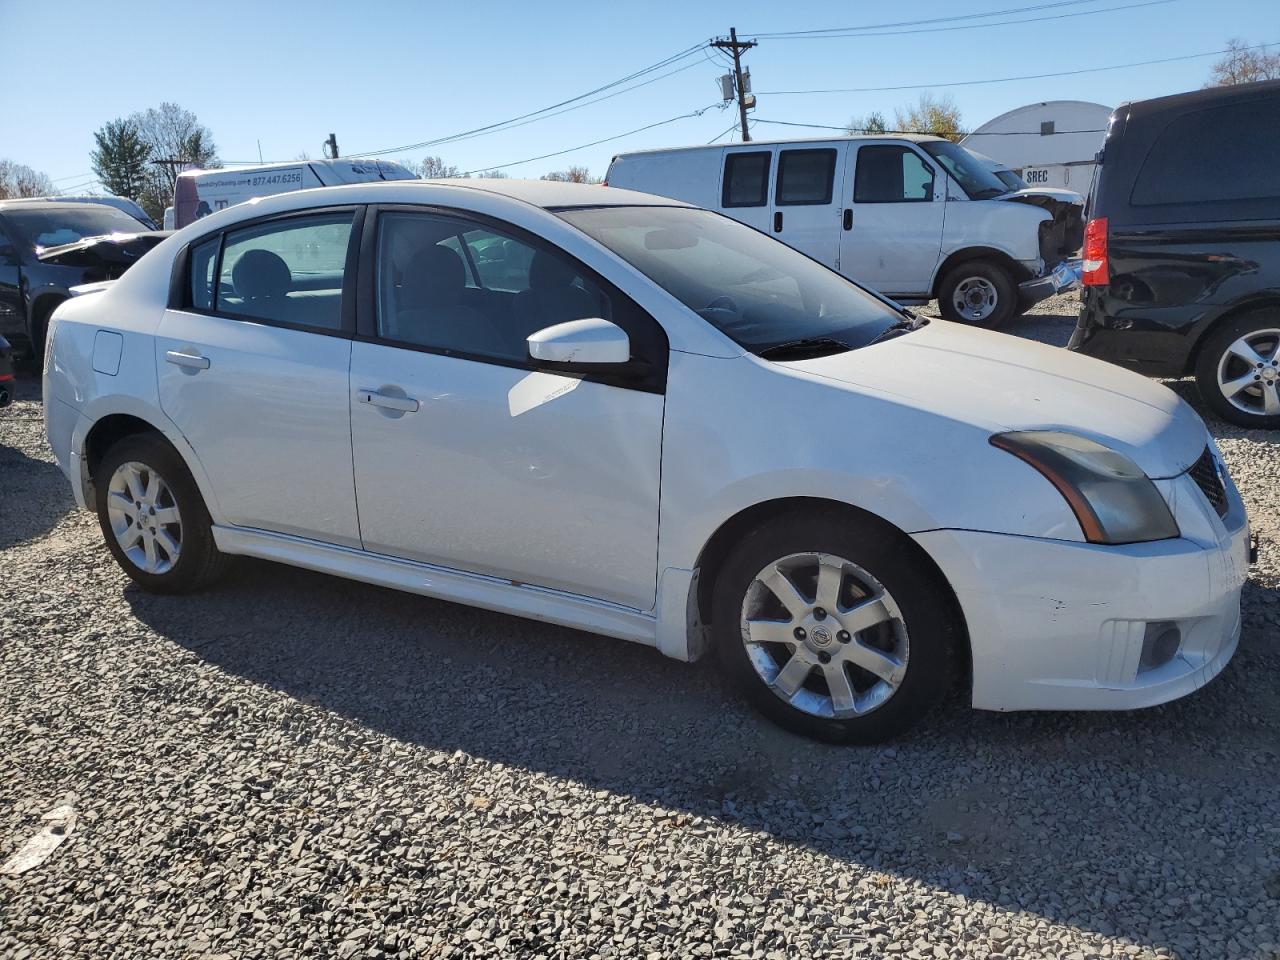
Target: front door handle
{"points": [[192, 361], [848, 218], [388, 401], [777, 222]]}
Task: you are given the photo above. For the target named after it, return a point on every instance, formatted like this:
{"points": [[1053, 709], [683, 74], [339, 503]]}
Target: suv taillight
{"points": [[1094, 270]]}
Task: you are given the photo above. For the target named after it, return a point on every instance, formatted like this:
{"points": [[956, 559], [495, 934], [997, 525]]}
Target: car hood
{"points": [[1048, 198], [997, 382], [115, 251]]}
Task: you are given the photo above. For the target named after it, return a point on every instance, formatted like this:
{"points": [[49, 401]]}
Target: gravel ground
{"points": [[292, 765]]}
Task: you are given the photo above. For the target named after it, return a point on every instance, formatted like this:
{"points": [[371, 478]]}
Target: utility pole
{"points": [[332, 145], [736, 48]]}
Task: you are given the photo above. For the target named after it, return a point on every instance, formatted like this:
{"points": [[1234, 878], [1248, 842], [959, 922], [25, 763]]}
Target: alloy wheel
{"points": [[824, 635], [1249, 373], [144, 517]]}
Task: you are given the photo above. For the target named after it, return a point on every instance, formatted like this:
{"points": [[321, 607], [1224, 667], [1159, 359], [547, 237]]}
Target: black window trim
{"points": [[764, 178], [857, 160], [831, 178], [180, 279], [644, 374]]}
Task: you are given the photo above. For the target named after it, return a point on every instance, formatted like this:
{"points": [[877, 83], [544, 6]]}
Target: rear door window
{"points": [[805, 177], [1221, 154], [746, 179]]}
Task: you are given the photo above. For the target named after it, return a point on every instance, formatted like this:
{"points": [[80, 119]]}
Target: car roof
{"points": [[912, 137], [44, 203], [555, 194], [1200, 98]]}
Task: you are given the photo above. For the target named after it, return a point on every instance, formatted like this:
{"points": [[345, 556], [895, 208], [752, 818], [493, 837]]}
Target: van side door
{"points": [[746, 179], [891, 229], [807, 192]]}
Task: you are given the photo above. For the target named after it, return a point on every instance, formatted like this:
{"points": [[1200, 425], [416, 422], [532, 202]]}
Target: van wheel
{"points": [[979, 293], [1238, 370], [833, 627], [153, 517]]}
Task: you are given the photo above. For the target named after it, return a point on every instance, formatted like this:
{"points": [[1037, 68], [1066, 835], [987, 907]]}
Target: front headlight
{"points": [[1112, 498]]}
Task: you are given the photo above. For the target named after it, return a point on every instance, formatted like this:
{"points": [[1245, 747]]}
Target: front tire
{"points": [[153, 518], [979, 293], [1238, 370], [834, 627]]}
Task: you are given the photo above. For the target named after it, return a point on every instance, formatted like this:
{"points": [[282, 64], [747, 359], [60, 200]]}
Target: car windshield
{"points": [[974, 177], [54, 226], [758, 291]]}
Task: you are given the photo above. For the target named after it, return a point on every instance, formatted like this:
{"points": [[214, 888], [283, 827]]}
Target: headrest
{"points": [[434, 275], [261, 273]]}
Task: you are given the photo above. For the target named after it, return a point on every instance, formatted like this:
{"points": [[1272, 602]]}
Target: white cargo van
{"points": [[201, 192], [912, 217]]}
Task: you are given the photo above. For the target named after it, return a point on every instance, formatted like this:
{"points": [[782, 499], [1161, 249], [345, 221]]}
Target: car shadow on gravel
{"points": [[1113, 823], [34, 496]]}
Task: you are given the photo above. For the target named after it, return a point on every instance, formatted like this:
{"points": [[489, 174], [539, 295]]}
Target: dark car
{"points": [[6, 373], [1182, 248], [49, 246]]}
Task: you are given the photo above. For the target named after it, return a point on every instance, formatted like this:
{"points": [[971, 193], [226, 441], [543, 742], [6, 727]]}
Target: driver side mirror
{"points": [[580, 344]]}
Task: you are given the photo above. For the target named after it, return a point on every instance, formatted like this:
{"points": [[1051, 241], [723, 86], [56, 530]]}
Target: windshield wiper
{"points": [[806, 347], [898, 328]]}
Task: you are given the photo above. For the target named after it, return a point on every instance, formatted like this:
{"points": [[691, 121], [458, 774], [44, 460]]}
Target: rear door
{"points": [[807, 189], [891, 231], [746, 178], [253, 367], [12, 314]]}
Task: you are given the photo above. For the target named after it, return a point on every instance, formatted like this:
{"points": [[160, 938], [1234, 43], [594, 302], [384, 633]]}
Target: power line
{"points": [[593, 143], [973, 26], [790, 34], [1030, 76], [667, 61]]}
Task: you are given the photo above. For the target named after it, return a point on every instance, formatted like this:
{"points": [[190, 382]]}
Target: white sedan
{"points": [[642, 419]]}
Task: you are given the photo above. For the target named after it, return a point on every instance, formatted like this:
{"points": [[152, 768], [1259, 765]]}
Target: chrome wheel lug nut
{"points": [[824, 657], [843, 636], [819, 614], [800, 633]]}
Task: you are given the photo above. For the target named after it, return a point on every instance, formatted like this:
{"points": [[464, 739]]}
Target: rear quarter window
{"points": [[1219, 154]]}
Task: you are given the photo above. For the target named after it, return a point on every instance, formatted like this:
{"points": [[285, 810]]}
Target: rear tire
{"points": [[153, 518], [862, 646], [980, 293], [1238, 369]]}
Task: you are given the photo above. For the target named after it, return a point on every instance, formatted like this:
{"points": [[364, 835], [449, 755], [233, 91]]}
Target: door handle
{"points": [[192, 361], [777, 222], [848, 218], [387, 401]]}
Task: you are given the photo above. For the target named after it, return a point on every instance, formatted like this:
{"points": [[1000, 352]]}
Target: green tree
{"points": [[19, 180], [874, 122], [120, 159], [1239, 65], [939, 116]]}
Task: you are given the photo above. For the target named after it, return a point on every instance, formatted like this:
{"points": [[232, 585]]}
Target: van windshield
{"points": [[975, 178], [759, 292]]}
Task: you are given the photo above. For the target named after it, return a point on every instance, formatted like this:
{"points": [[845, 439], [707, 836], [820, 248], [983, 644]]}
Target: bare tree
{"points": [[572, 175], [433, 168], [1241, 65], [19, 180], [493, 174], [939, 116], [874, 122]]}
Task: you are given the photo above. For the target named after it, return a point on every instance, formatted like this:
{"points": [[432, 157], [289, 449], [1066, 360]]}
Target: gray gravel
{"points": [[293, 765]]}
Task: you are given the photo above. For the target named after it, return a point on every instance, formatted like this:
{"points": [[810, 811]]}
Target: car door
{"points": [[892, 229], [744, 185], [253, 369], [468, 457], [806, 200], [12, 314]]}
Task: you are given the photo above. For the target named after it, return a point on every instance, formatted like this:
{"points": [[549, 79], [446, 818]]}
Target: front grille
{"points": [[1205, 473]]}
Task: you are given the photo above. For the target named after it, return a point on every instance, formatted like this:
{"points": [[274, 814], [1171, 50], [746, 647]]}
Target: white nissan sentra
{"points": [[639, 418]]}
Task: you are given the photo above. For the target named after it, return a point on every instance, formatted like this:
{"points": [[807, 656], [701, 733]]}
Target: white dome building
{"points": [[1051, 144]]}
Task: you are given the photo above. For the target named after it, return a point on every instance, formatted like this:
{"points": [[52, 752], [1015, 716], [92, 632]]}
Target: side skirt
{"points": [[443, 583]]}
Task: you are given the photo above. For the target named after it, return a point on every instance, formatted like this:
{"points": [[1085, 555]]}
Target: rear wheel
{"points": [[1238, 370], [979, 293], [153, 518], [834, 628]]}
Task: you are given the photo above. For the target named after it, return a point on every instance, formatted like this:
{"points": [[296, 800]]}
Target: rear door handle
{"points": [[848, 218], [777, 222], [192, 361], [387, 401]]}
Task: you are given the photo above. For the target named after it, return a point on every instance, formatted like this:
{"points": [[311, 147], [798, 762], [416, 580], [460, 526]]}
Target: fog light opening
{"points": [[1160, 644]]}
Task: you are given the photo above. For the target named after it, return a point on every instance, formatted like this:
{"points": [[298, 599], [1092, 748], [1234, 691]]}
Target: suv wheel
{"points": [[1238, 370], [153, 518], [979, 293], [833, 627]]}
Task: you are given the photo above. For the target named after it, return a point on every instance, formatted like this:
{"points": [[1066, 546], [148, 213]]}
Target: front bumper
{"points": [[1062, 278], [1058, 625]]}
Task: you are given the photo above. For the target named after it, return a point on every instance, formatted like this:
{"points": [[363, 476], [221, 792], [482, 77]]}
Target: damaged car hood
{"points": [[114, 252], [1046, 198], [998, 383]]}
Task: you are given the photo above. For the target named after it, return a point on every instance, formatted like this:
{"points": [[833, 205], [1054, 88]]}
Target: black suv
{"points": [[1182, 248], [49, 246]]}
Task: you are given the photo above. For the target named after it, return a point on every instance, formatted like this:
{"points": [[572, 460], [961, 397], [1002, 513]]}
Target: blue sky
{"points": [[382, 74]]}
